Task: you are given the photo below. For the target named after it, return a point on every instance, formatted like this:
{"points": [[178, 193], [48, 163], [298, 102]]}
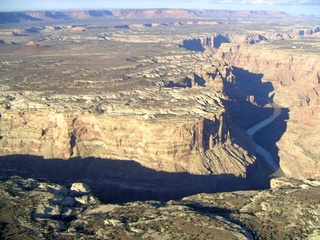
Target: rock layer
{"points": [[294, 76], [162, 112], [162, 143]]}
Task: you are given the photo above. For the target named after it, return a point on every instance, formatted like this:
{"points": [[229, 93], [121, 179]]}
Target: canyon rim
{"points": [[157, 105]]}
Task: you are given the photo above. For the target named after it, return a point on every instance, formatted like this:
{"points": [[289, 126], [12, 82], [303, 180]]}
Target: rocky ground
{"points": [[57, 76], [157, 104], [157, 109], [40, 210]]}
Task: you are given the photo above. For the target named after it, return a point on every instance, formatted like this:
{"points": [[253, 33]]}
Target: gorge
{"points": [[159, 123]]}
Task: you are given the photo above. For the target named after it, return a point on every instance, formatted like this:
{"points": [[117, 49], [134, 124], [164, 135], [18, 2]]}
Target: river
{"points": [[254, 129]]}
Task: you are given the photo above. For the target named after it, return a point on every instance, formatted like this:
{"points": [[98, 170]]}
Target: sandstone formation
{"points": [[113, 103], [41, 210], [167, 109], [14, 17], [210, 43], [293, 73], [179, 128]]}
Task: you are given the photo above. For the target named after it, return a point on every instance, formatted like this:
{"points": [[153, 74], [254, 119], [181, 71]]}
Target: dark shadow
{"points": [[187, 82], [245, 114], [219, 39], [100, 13], [193, 45], [73, 139], [199, 80], [246, 85], [184, 83], [125, 26], [19, 34], [116, 181], [32, 30], [16, 17], [57, 15], [248, 95], [268, 139], [171, 84], [209, 210]]}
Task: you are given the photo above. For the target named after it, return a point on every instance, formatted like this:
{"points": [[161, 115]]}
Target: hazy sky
{"points": [[290, 6]]}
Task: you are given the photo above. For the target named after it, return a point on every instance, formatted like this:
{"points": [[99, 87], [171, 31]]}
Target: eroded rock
{"points": [[286, 211]]}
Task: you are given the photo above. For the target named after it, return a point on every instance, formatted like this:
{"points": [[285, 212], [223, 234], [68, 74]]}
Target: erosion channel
{"points": [[260, 150]]}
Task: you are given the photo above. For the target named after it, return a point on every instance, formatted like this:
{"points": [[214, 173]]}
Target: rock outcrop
{"points": [[293, 73], [161, 120], [178, 128], [214, 42], [42, 210], [162, 142]]}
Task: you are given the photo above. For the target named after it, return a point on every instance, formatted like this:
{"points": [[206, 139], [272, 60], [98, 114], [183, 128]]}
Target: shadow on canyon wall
{"points": [[117, 181], [248, 94], [197, 44], [193, 45], [269, 136], [16, 17]]}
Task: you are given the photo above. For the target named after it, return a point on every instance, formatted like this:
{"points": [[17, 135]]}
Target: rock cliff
{"points": [[165, 114], [14, 17], [159, 144], [294, 74], [198, 139]]}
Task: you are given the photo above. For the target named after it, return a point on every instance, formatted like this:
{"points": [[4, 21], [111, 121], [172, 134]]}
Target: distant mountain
{"points": [[16, 17]]}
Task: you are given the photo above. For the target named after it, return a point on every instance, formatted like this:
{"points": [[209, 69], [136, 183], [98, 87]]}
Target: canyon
{"points": [[295, 81], [159, 105]]}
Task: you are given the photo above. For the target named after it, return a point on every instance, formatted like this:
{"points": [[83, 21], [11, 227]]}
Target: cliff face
{"points": [[162, 112], [129, 13], [294, 74], [146, 153], [161, 144]]}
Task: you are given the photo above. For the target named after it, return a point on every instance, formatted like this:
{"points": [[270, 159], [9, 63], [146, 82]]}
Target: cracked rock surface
{"points": [[39, 210]]}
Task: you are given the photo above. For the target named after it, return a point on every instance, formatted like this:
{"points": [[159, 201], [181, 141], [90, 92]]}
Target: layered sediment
{"points": [[162, 144], [294, 75], [166, 128]]}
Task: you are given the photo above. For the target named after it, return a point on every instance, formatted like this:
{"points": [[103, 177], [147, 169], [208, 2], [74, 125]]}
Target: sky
{"points": [[307, 7]]}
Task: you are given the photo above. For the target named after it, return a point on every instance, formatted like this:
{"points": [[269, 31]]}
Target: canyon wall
{"points": [[294, 74], [129, 157], [14, 17], [195, 145]]}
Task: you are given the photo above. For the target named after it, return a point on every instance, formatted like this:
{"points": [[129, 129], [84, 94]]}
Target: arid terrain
{"points": [[159, 105], [40, 210]]}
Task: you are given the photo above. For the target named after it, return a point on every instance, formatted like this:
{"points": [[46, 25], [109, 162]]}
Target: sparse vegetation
{"points": [[93, 72]]}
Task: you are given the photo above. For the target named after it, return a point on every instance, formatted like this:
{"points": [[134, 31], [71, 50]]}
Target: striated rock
{"points": [[171, 126], [145, 127], [294, 77], [159, 144]]}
